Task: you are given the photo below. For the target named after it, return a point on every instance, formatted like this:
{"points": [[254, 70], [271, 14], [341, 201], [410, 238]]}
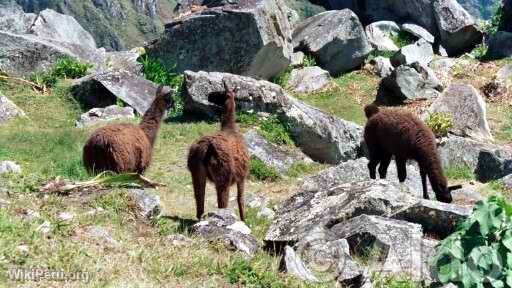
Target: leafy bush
{"points": [[403, 38], [275, 131], [261, 171], [247, 118], [282, 78], [480, 52], [65, 67], [491, 27], [309, 61], [479, 253], [156, 72], [440, 123]]}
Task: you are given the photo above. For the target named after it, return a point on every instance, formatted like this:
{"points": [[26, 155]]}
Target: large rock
{"points": [[457, 28], [97, 115], [13, 19], [335, 38], [418, 32], [61, 28], [506, 21], [273, 155], [421, 51], [320, 209], [308, 79], [468, 110], [489, 162], [204, 93], [250, 38], [9, 167], [322, 137], [382, 66], [104, 88], [357, 171], [148, 205], [442, 68], [398, 243], [410, 82], [8, 110], [380, 35], [222, 226], [500, 45]]}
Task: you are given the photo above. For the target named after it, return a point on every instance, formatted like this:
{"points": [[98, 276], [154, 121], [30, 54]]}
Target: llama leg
{"points": [[240, 199], [401, 169], [199, 182], [222, 195], [374, 161], [384, 164], [424, 183]]}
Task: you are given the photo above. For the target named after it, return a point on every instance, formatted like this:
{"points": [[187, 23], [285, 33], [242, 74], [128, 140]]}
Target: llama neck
{"points": [[229, 118], [151, 120]]}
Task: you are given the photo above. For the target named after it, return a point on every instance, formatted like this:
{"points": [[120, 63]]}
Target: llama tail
{"points": [[201, 154], [371, 110]]}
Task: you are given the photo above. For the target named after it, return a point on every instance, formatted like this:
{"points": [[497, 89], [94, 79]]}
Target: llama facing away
{"points": [[124, 148], [394, 132], [222, 158]]}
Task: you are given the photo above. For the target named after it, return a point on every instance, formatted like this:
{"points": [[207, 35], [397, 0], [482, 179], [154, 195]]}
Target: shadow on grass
{"points": [[184, 225]]}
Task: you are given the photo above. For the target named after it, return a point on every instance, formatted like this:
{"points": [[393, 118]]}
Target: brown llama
{"points": [[222, 158], [125, 148], [396, 132]]}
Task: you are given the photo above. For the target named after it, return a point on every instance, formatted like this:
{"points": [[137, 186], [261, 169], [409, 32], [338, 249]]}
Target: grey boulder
{"points": [[506, 23], [421, 51], [13, 19], [9, 167], [148, 204], [61, 28], [204, 93], [457, 28], [468, 110], [442, 68], [308, 79], [380, 35], [322, 137], [500, 45], [251, 38], [382, 66], [418, 32], [335, 38], [488, 161], [97, 115], [411, 82], [272, 155], [507, 181], [102, 89], [8, 110], [222, 226]]}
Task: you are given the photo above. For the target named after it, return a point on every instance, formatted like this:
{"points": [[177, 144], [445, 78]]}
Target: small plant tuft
{"points": [[403, 38], [459, 172], [309, 61], [440, 123], [282, 78], [262, 172], [276, 131], [65, 68]]}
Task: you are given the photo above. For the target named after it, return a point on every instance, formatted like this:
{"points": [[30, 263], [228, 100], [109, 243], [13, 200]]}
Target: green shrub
{"points": [[491, 27], [403, 38], [247, 118], [282, 78], [480, 52], [479, 253], [156, 72], [261, 171], [440, 123], [275, 131], [67, 67], [309, 61]]}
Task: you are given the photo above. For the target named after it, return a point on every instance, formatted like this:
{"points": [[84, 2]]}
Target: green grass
{"points": [[275, 131], [300, 169], [283, 77], [64, 68], [383, 281], [346, 101], [261, 171], [459, 173]]}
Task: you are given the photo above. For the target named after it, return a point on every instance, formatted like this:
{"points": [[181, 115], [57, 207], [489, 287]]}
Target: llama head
{"points": [[444, 193], [230, 92], [164, 95]]}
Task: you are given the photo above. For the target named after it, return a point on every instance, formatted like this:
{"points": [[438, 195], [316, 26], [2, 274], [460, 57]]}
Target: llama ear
{"points": [[455, 187]]}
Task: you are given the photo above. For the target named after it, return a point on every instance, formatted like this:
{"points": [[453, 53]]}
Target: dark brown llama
{"points": [[123, 148], [222, 158], [396, 132]]}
